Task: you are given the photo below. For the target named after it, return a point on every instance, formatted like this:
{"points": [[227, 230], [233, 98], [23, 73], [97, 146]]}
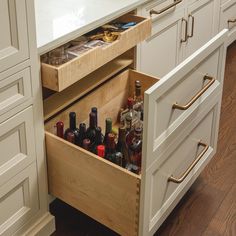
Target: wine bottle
{"points": [[70, 137], [95, 111], [111, 147], [98, 139], [86, 144], [101, 151], [60, 129], [138, 99], [108, 129], [121, 146], [91, 131], [82, 134], [72, 128]]}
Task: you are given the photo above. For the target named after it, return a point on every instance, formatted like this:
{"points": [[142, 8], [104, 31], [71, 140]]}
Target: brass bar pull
{"points": [[186, 29], [192, 28], [165, 8], [193, 164], [198, 95], [231, 21]]}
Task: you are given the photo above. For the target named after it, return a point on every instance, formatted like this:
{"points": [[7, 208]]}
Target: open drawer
{"points": [[58, 78], [109, 193]]}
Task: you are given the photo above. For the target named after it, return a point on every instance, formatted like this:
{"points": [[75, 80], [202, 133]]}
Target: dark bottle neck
{"points": [[92, 120], [122, 134], [108, 125], [98, 136], [95, 111], [72, 116], [60, 129]]}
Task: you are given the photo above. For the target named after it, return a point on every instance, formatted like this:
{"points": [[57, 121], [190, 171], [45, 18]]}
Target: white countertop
{"points": [[59, 21]]}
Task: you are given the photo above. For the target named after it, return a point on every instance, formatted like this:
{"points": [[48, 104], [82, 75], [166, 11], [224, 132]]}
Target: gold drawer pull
{"points": [[198, 95], [231, 21], [193, 164], [192, 28], [165, 8]]}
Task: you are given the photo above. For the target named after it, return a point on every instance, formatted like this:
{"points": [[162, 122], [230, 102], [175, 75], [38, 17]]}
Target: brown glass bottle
{"points": [[72, 128], [110, 147], [138, 99], [121, 146], [60, 129]]}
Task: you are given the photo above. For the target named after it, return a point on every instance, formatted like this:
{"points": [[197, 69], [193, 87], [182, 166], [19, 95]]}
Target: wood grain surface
{"points": [[208, 208]]}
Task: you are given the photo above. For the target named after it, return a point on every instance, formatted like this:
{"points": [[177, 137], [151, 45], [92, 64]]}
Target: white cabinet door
{"points": [[153, 209], [203, 22], [160, 53], [14, 36]]}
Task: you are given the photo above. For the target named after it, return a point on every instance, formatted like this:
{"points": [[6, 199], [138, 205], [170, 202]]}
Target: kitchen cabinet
{"points": [[23, 186], [181, 112]]}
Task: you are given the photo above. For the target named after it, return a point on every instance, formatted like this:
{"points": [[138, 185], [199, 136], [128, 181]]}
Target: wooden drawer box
{"points": [[59, 78], [109, 193]]}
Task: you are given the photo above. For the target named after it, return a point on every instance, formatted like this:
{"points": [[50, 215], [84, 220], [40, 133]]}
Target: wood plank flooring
{"points": [[209, 207]]}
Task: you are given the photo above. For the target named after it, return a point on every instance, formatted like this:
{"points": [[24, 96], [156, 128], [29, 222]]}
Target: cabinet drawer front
{"points": [[14, 90], [14, 37], [16, 144], [228, 19], [188, 155], [61, 77], [18, 200], [184, 86]]}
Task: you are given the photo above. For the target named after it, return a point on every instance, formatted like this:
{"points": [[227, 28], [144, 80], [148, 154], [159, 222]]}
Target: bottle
{"points": [[86, 144], [98, 139], [136, 148], [95, 111], [70, 137], [72, 128], [111, 147], [129, 131], [60, 129], [108, 129], [138, 99], [101, 151], [91, 131], [121, 146], [82, 134], [130, 111]]}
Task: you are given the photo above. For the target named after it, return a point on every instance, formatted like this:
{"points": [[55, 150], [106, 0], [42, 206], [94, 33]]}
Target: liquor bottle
{"points": [[101, 151], [72, 128], [130, 112], [70, 137], [86, 144], [138, 99], [95, 111], [60, 129], [110, 147], [129, 130], [108, 129], [82, 134], [98, 139], [136, 148], [91, 131], [121, 146]]}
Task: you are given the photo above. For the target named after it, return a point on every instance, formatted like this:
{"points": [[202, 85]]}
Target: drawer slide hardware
{"points": [[198, 95], [186, 29], [165, 8], [192, 28], [193, 164], [231, 21]]}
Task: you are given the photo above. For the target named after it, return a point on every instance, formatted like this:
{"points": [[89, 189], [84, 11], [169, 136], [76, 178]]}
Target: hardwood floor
{"points": [[209, 207]]}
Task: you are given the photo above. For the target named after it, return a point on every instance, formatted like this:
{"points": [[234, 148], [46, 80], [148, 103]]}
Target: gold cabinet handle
{"points": [[165, 8], [192, 28], [199, 94], [186, 29], [193, 164], [231, 21]]}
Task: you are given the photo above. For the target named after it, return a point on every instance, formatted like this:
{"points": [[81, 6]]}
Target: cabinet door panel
{"points": [[162, 51], [204, 26], [153, 152], [14, 37]]}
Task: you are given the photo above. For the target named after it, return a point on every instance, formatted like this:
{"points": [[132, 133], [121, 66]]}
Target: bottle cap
{"points": [[70, 137], [137, 84], [111, 141], [101, 150], [59, 124], [108, 125], [94, 110], [86, 143]]}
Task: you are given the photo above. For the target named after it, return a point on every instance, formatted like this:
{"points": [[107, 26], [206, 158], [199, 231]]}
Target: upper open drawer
{"points": [[60, 77]]}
